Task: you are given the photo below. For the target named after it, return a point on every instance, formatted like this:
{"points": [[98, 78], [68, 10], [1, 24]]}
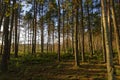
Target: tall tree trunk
{"points": [[119, 16], [19, 17], [4, 61], [16, 32], [42, 33], [34, 28], [48, 40], [67, 40], [63, 31], [2, 14], [109, 56], [49, 32], [82, 33], [72, 29], [1, 49], [25, 42], [11, 26], [1, 19], [28, 36], [103, 42], [13, 39], [76, 7], [116, 29], [53, 48], [58, 30], [109, 23], [89, 32]]}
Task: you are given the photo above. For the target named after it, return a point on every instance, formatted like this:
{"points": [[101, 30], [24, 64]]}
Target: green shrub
{"points": [[67, 56]]}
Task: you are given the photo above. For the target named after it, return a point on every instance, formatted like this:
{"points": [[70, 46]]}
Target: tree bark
{"points": [[34, 28], [103, 42], [16, 32], [116, 29], [82, 33], [42, 33], [63, 31], [89, 32], [4, 62], [76, 7], [59, 30], [109, 56], [11, 27]]}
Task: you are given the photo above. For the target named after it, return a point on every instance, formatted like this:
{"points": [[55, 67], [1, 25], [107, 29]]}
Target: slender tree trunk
{"points": [[48, 42], [2, 14], [34, 28], [59, 30], [18, 38], [1, 19], [119, 16], [67, 40], [73, 30], [16, 32], [31, 42], [103, 42], [82, 33], [2, 9], [109, 56], [11, 28], [79, 39], [13, 39], [35, 25], [109, 22], [63, 31], [28, 37], [4, 61], [53, 48], [76, 34], [1, 51], [25, 42], [42, 33], [49, 31], [116, 29], [89, 32]]}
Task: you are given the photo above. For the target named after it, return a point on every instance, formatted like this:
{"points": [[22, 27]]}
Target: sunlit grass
{"points": [[45, 66]]}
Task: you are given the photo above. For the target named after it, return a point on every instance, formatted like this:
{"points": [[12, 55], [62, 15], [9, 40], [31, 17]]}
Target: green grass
{"points": [[45, 66], [117, 71]]}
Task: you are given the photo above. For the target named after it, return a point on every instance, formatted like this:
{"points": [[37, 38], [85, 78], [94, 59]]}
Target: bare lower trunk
{"points": [[76, 35]]}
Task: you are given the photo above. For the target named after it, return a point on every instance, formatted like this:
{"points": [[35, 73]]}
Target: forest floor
{"points": [[47, 68]]}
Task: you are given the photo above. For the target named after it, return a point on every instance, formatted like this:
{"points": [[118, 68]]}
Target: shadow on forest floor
{"points": [[40, 69]]}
